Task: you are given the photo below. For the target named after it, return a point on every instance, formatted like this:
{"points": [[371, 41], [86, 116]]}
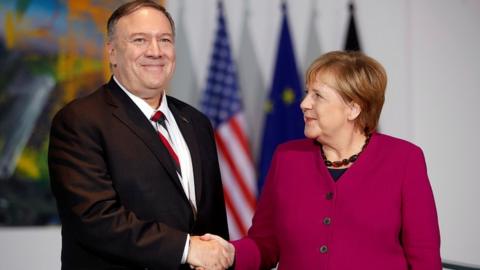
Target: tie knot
{"points": [[158, 116]]}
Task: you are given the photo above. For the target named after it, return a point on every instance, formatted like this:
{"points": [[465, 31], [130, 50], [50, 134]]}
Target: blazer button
{"points": [[323, 249], [329, 195], [327, 221]]}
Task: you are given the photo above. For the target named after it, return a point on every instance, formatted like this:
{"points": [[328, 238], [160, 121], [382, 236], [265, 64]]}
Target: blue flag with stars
{"points": [[284, 119]]}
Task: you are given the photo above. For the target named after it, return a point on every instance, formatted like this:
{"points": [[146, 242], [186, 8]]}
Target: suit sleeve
{"points": [[89, 207], [420, 231], [259, 250]]}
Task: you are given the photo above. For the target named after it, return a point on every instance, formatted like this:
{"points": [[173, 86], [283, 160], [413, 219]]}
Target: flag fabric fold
{"points": [[352, 42], [184, 81], [313, 50], [284, 119], [222, 104], [251, 85]]}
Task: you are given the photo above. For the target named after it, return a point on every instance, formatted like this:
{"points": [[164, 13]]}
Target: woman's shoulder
{"points": [[298, 145], [391, 143]]}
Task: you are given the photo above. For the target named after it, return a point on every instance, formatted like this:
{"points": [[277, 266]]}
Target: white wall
{"points": [[430, 51], [445, 83], [35, 248]]}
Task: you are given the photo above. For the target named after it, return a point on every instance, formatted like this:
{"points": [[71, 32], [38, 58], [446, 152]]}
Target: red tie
{"points": [[159, 118]]}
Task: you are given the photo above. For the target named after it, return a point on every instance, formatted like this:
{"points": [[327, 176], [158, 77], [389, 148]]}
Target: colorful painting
{"points": [[51, 51]]}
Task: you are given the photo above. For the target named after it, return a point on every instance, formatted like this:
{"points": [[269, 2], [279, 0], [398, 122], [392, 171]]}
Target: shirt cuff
{"points": [[185, 250]]}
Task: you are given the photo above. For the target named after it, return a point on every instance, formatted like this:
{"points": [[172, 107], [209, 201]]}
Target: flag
{"points": [[184, 82], [313, 44], [251, 85], [352, 43], [284, 119], [222, 104]]}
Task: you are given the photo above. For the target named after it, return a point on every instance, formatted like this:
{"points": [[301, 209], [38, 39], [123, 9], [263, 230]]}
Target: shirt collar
{"points": [[144, 106]]}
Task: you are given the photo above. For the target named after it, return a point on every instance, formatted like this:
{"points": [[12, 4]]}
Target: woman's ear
{"points": [[354, 111]]}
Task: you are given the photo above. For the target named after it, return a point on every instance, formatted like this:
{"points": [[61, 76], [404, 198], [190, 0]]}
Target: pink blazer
{"points": [[379, 215]]}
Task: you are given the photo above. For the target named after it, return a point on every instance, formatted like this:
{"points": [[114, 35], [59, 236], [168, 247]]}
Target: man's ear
{"points": [[111, 53], [354, 111]]}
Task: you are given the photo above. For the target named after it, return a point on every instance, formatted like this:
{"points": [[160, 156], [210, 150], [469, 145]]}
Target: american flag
{"points": [[221, 103]]}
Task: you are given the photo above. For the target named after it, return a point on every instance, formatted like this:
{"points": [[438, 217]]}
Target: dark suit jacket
{"points": [[119, 198]]}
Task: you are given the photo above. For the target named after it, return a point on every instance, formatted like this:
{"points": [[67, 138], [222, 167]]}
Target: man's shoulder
{"points": [[88, 104], [186, 109], [180, 105]]}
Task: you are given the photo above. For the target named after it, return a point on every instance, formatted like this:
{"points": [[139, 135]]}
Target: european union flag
{"points": [[284, 119]]}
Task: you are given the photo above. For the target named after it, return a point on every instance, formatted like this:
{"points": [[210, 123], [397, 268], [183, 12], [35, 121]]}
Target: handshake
{"points": [[210, 252]]}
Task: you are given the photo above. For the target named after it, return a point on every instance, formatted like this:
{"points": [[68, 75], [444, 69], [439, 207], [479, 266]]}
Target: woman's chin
{"points": [[310, 135]]}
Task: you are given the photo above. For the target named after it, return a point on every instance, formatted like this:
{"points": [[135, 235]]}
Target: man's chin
{"points": [[155, 84]]}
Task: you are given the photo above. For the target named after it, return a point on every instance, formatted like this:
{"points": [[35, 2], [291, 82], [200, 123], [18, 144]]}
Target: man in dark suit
{"points": [[135, 172]]}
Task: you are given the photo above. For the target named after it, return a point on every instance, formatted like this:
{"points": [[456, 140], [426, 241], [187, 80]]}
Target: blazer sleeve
{"points": [[88, 205], [420, 232], [259, 249]]}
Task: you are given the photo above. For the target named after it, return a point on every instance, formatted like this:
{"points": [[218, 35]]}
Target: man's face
{"points": [[142, 52]]}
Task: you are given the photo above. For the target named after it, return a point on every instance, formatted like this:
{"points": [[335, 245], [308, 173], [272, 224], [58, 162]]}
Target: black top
{"points": [[336, 173]]}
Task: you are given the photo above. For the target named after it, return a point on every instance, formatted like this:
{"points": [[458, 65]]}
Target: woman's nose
{"points": [[305, 104]]}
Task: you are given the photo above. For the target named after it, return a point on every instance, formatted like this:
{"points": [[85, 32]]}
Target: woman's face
{"points": [[325, 112]]}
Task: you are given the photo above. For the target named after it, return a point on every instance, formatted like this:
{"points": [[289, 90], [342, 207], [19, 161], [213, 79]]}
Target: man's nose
{"points": [[154, 49]]}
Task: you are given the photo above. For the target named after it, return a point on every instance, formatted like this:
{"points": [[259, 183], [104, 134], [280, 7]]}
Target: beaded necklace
{"points": [[346, 161]]}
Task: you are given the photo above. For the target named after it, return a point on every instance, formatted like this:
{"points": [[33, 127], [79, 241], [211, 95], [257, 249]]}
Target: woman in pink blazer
{"points": [[346, 197]]}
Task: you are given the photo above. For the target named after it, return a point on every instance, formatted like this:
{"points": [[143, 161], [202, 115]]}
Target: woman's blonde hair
{"points": [[359, 79]]}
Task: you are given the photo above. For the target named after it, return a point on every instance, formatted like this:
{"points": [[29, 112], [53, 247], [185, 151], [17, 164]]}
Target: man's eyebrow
{"points": [[147, 34], [138, 34]]}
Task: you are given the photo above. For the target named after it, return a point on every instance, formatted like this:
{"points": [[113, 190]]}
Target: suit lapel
{"points": [[185, 125], [129, 114]]}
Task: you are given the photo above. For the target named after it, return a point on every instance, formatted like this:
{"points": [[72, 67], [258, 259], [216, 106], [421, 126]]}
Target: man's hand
{"points": [[210, 252], [228, 248]]}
